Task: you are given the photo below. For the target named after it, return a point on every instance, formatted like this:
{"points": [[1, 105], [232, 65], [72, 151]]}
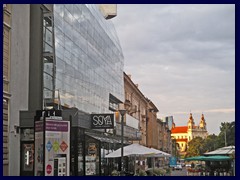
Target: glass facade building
{"points": [[89, 59]]}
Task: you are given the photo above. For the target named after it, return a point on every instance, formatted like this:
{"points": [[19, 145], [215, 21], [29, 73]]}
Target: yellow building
{"points": [[184, 134]]}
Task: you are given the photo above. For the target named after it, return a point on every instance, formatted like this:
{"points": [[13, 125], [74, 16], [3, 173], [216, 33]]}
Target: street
{"points": [[182, 172]]}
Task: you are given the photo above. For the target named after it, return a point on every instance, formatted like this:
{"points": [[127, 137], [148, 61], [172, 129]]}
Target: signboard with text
{"points": [[102, 121]]}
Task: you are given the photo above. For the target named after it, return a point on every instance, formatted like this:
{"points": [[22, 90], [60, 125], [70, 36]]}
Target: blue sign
{"points": [[173, 161]]}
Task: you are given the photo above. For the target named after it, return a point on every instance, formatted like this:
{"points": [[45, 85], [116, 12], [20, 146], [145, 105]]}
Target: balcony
{"points": [[132, 122]]}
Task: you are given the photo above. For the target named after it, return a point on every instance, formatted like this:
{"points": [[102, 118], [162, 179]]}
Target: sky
{"points": [[182, 57]]}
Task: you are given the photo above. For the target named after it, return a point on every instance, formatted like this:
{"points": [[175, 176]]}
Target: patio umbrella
{"points": [[133, 149], [158, 153]]}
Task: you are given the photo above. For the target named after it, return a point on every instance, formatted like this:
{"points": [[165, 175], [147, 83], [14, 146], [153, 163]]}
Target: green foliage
{"points": [[141, 173], [115, 173], [168, 170], [195, 148], [227, 129], [198, 146], [210, 143], [159, 172]]}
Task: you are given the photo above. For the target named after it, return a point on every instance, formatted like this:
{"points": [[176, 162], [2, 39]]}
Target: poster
{"points": [[57, 147]]}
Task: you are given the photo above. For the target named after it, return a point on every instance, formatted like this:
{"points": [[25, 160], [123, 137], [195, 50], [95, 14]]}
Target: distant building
{"points": [[164, 136], [184, 134]]}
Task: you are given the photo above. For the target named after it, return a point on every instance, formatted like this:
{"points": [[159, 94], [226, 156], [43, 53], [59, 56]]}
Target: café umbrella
{"points": [[131, 150]]}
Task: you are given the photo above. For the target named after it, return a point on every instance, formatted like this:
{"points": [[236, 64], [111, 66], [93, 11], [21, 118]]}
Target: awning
{"points": [[222, 151], [208, 158], [217, 158], [104, 138]]}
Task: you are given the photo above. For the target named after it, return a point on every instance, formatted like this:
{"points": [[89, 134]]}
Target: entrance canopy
{"points": [[133, 149], [104, 138]]}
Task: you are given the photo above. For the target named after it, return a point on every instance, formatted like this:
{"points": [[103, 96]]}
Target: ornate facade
{"points": [[184, 134]]}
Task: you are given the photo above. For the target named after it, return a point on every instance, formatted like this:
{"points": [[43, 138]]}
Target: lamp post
{"points": [[122, 111]]}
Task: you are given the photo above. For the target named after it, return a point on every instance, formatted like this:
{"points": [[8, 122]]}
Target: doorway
{"points": [[27, 158]]}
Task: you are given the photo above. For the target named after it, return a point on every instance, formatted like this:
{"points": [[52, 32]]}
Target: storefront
{"points": [[88, 152]]}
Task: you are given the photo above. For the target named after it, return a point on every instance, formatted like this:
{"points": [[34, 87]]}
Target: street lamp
{"points": [[122, 111]]}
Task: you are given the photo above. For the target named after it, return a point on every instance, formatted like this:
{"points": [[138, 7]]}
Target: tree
{"points": [[195, 147], [210, 143], [226, 136]]}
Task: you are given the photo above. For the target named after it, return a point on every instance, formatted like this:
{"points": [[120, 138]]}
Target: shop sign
{"points": [[102, 121]]}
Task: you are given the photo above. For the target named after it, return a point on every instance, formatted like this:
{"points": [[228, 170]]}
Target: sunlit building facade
{"points": [[184, 134]]}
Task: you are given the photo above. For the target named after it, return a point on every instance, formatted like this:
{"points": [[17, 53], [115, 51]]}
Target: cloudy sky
{"points": [[183, 58]]}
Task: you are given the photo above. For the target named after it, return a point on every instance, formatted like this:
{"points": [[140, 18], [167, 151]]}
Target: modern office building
{"points": [[65, 57], [89, 59], [89, 79]]}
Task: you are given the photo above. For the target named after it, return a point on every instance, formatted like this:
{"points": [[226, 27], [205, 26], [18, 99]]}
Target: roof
{"points": [[222, 151], [180, 129]]}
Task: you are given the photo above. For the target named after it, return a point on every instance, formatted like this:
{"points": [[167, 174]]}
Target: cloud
{"points": [[182, 56], [227, 110]]}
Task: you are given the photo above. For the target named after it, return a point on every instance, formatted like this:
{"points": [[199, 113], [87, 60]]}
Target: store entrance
{"points": [[27, 158]]}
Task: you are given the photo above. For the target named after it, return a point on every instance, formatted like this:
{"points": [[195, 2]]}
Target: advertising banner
{"points": [[57, 147]]}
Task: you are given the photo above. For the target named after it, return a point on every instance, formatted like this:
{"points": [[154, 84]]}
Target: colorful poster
{"points": [[57, 147]]}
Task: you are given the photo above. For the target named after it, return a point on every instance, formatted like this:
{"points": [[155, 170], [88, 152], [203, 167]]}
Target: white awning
{"points": [[222, 151]]}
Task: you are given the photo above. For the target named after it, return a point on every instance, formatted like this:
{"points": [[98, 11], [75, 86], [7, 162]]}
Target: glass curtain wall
{"points": [[89, 59]]}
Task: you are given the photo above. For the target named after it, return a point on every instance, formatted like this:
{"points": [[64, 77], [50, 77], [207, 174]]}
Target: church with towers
{"points": [[184, 134]]}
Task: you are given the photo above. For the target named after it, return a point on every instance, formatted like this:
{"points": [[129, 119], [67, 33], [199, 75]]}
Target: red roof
{"points": [[180, 129]]}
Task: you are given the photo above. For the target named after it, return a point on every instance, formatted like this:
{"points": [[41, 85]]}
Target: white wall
{"points": [[19, 75]]}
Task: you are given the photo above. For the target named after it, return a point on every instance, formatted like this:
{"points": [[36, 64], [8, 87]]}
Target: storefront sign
{"points": [[102, 121]]}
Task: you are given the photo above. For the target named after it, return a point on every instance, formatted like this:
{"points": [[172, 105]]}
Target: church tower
{"points": [[190, 122], [202, 123]]}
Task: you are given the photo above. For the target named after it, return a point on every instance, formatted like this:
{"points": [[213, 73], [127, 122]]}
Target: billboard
{"points": [[57, 147], [52, 145]]}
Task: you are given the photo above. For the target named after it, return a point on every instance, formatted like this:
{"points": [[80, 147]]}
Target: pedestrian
{"points": [[192, 165]]}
